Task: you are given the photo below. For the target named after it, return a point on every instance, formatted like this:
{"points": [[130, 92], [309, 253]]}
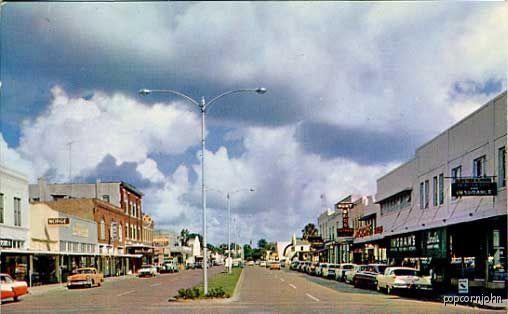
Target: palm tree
{"points": [[184, 236], [309, 231]]}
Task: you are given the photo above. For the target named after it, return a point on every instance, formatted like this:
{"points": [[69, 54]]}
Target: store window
{"points": [[17, 211], [501, 172], [480, 167], [1, 208]]}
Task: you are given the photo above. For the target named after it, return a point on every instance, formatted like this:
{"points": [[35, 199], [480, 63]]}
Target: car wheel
{"points": [[378, 288], [388, 290], [356, 284], [15, 298]]}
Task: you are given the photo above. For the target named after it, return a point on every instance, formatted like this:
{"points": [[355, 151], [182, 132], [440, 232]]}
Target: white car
{"points": [[341, 272], [350, 274], [401, 278], [147, 271], [262, 263], [330, 270]]}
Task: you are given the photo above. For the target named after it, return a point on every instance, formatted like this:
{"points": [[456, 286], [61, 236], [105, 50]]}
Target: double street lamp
{"points": [[203, 107]]}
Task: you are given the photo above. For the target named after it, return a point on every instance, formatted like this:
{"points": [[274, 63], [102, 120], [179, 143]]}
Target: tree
{"points": [[247, 252], [184, 236], [309, 231], [262, 243], [257, 253]]}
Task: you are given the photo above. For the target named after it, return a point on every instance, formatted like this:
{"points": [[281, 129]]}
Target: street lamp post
{"points": [[203, 106]]}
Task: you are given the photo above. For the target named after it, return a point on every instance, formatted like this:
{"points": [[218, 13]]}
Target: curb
{"points": [[235, 297]]}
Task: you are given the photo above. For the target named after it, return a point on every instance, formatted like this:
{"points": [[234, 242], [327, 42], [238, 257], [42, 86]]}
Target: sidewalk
{"points": [[39, 290]]}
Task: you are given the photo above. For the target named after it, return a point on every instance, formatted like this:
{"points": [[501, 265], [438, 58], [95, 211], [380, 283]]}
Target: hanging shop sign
{"points": [[344, 208], [434, 243], [404, 244], [60, 221], [474, 187], [364, 231]]}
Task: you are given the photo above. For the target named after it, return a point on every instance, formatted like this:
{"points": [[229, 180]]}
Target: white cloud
{"points": [[148, 170], [105, 124], [11, 159]]}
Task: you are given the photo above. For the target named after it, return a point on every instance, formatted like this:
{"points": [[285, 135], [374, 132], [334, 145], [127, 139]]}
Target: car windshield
{"points": [[6, 279], [84, 271], [405, 272]]}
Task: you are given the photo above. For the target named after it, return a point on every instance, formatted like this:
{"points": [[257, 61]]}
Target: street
{"points": [[260, 290]]}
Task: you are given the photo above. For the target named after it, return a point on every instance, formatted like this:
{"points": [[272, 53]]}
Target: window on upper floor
{"points": [[456, 173], [480, 167], [501, 170], [427, 192], [441, 188], [422, 195], [17, 211], [102, 229], [1, 208], [434, 191]]}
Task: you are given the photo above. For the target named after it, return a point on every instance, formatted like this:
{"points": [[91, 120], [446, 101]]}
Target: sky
{"points": [[353, 90]]}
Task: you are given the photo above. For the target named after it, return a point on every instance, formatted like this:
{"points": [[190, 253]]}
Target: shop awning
{"points": [[68, 253]]}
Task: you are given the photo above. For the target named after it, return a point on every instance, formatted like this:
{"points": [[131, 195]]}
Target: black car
{"points": [[367, 278]]}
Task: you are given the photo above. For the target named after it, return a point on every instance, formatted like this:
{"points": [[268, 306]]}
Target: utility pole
{"points": [[69, 145]]}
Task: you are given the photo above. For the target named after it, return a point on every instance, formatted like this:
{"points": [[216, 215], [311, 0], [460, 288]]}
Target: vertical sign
{"points": [[463, 286]]}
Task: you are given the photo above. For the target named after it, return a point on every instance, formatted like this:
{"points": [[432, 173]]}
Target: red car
{"points": [[12, 288]]}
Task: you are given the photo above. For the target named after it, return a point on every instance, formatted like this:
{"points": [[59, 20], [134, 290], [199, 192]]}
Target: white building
{"points": [[14, 218], [14, 223], [427, 227]]}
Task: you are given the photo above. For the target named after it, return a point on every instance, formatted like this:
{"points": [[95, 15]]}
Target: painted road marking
{"points": [[126, 293], [155, 284], [292, 286], [312, 297], [282, 279]]}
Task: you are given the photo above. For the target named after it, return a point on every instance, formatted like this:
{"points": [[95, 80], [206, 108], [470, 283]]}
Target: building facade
{"points": [[59, 243], [449, 236], [14, 223]]}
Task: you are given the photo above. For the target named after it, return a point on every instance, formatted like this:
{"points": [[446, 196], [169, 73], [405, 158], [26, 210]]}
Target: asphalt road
{"points": [[260, 291]]}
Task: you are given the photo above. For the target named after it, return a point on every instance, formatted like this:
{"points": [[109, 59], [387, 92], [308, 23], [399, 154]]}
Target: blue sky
{"points": [[353, 90]]}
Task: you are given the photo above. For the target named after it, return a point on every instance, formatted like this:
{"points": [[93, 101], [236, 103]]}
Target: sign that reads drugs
{"points": [[474, 187], [345, 232], [59, 221]]}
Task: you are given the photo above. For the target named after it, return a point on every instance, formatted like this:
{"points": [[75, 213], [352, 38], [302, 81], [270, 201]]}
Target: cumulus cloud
{"points": [[103, 125], [11, 159]]}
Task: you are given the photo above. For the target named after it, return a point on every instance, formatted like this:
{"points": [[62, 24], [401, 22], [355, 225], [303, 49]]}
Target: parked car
{"points": [[275, 265], [368, 278], [330, 270], [85, 277], [398, 278], [262, 263], [250, 263], [311, 269], [304, 267], [147, 271], [350, 274], [319, 269], [12, 288], [293, 265], [282, 263], [341, 272], [169, 268]]}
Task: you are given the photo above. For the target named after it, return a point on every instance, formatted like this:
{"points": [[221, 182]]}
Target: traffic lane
{"points": [[127, 295], [351, 299]]}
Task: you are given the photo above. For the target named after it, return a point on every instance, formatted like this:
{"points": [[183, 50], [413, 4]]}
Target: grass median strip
{"points": [[221, 285]]}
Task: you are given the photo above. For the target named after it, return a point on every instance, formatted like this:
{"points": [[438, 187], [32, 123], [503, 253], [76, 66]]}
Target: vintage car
{"points": [[147, 271], [311, 269], [275, 265], [85, 277], [250, 263], [262, 263], [330, 270], [367, 278], [401, 278], [169, 268], [341, 272], [350, 274], [12, 288]]}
